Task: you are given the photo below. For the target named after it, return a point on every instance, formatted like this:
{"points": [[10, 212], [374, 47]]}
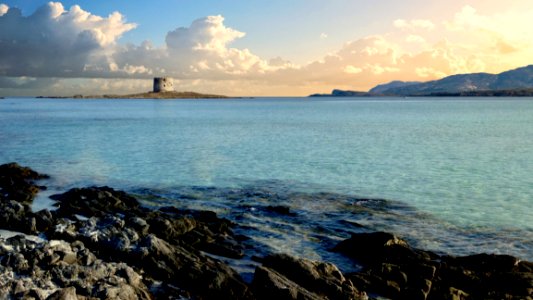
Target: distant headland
{"points": [[513, 83], [163, 89]]}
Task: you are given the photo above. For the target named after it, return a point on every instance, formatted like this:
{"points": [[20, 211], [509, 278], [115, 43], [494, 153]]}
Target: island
{"points": [[163, 89]]}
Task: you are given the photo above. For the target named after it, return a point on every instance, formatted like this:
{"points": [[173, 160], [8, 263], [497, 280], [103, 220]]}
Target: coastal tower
{"points": [[163, 84]]}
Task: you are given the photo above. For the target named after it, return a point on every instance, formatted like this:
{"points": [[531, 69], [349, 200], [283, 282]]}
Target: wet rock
{"points": [[280, 209], [380, 247], [391, 268], [44, 220], [168, 228], [17, 216], [199, 274], [319, 278], [17, 183], [94, 201], [140, 225], [269, 284], [223, 247], [202, 230]]}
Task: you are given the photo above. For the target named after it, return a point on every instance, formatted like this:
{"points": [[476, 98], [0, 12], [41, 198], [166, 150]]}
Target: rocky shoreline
{"points": [[101, 243]]}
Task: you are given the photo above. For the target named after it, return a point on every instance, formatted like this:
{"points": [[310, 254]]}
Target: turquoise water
{"points": [[456, 174]]}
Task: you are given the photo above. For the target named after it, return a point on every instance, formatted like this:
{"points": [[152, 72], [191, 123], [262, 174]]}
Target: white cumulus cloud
{"points": [[54, 41], [3, 9], [414, 24]]}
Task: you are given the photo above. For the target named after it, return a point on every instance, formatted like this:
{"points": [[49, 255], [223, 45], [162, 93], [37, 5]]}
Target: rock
{"points": [[17, 183], [269, 284], [201, 275], [455, 294], [94, 201], [320, 278], [39, 269], [17, 216], [395, 270], [377, 247], [44, 220], [486, 262], [68, 293], [279, 209], [170, 229]]}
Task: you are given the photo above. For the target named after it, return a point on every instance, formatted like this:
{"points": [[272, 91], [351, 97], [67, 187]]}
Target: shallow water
{"points": [[455, 173]]}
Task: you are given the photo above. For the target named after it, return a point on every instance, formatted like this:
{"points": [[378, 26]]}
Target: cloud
{"points": [[413, 38], [54, 41], [352, 70], [209, 34], [3, 9], [200, 51], [24, 83], [323, 36], [414, 24], [81, 53]]}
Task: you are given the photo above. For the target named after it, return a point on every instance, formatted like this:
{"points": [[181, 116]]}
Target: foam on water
{"points": [[456, 172]]}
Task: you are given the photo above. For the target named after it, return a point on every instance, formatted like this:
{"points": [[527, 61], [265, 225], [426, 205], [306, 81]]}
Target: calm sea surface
{"points": [[450, 175]]}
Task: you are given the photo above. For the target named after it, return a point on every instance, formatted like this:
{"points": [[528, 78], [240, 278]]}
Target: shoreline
{"points": [[173, 252], [147, 95]]}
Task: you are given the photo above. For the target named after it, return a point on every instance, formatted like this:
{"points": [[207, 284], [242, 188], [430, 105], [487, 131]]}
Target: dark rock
{"points": [[68, 293], [170, 229], [455, 294], [139, 224], [320, 278], [269, 284], [94, 201], [378, 247], [17, 183], [44, 220], [17, 216], [39, 268], [223, 247], [395, 270], [279, 209], [486, 262], [201, 275]]}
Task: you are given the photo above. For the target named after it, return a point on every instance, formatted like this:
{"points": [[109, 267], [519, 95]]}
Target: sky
{"points": [[254, 48]]}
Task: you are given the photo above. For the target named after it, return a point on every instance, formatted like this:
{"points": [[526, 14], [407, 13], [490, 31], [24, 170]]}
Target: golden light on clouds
{"points": [[202, 57]]}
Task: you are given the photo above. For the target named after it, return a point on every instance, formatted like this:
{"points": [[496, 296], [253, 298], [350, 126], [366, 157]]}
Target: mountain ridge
{"points": [[516, 82]]}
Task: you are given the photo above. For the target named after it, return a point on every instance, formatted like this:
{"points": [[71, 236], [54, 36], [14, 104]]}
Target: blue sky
{"points": [[290, 29], [275, 47]]}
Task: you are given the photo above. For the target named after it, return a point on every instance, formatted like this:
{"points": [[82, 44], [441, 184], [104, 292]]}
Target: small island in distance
{"points": [[163, 89]]}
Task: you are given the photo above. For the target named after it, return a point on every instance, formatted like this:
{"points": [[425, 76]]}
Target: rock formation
{"points": [[102, 243]]}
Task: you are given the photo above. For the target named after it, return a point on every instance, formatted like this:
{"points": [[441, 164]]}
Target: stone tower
{"points": [[163, 84]]}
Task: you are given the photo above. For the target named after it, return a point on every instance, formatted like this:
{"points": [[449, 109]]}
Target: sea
{"points": [[449, 175]]}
